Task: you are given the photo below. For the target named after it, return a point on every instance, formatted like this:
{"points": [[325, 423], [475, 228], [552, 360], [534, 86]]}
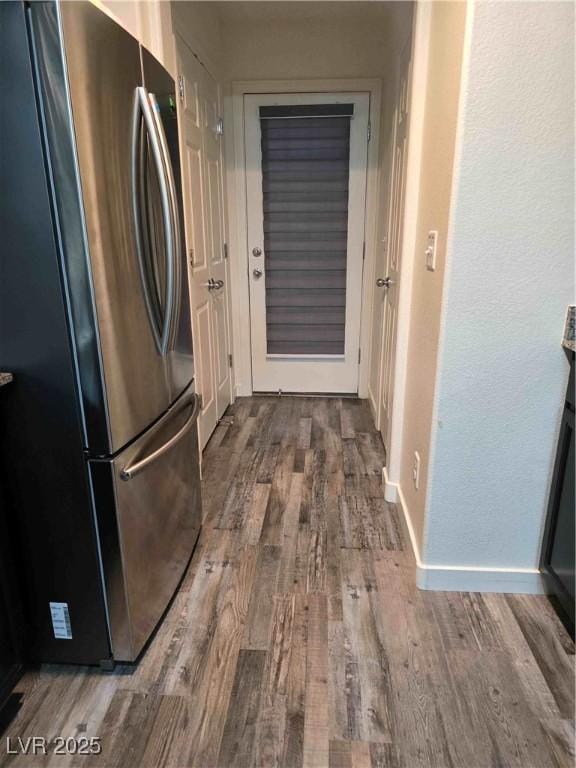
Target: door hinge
{"points": [[230, 360], [359, 356], [225, 250], [181, 88], [369, 132], [220, 127], [363, 250]]}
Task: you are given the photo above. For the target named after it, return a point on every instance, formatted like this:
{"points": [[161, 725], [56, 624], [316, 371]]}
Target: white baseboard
{"points": [[390, 489], [455, 578], [243, 390], [373, 407], [459, 579]]}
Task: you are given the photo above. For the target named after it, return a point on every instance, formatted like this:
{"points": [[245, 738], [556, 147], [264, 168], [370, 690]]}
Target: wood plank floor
{"points": [[298, 637]]}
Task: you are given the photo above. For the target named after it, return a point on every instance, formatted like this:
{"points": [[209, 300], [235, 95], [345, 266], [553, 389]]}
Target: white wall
{"points": [[198, 24], [305, 40], [441, 99], [502, 373]]}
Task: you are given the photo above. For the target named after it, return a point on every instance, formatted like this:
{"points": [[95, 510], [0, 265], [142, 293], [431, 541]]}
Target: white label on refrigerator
{"points": [[61, 621]]}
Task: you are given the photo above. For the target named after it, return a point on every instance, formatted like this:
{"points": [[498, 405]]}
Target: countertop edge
{"points": [[5, 378]]}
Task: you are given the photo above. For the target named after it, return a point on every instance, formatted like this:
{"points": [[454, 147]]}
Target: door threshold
{"points": [[282, 393]]}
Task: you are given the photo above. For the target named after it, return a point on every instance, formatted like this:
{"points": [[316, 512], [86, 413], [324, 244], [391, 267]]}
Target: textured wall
{"points": [[441, 112], [502, 373]]}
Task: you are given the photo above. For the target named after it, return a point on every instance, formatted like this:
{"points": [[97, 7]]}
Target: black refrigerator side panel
{"points": [[43, 471]]}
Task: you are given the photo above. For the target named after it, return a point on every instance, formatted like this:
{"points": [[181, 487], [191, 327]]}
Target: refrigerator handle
{"points": [[143, 107], [131, 470], [138, 169], [175, 220]]}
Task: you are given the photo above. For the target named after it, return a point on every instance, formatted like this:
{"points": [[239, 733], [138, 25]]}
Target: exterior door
{"points": [[202, 176], [386, 286], [306, 159]]}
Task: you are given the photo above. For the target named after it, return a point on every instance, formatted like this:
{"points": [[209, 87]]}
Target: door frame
{"points": [[299, 372], [238, 218]]}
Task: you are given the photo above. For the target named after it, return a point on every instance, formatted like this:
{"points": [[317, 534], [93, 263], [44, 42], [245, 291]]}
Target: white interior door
{"points": [[386, 284], [306, 160], [380, 268], [202, 171]]}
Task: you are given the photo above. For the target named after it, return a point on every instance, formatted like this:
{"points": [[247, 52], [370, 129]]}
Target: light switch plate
{"points": [[416, 470], [431, 250]]}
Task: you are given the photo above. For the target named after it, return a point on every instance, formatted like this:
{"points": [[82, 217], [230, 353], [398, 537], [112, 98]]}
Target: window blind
{"points": [[305, 174]]}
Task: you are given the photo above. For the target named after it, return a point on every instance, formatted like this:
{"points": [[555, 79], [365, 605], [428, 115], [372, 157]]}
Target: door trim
{"points": [[238, 220]]}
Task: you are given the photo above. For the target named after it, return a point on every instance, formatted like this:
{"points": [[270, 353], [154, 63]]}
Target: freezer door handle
{"points": [[131, 470], [144, 108]]}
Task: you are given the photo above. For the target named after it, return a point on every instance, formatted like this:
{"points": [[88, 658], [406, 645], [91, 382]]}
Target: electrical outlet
{"points": [[430, 251], [416, 470]]}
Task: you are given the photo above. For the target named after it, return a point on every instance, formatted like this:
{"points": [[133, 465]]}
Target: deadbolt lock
{"points": [[256, 251]]}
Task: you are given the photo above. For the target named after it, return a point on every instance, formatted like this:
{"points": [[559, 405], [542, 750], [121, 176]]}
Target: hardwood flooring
{"points": [[298, 637]]}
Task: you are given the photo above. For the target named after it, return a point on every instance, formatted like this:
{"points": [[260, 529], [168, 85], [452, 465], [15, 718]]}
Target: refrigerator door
{"points": [[161, 91], [111, 133], [148, 506]]}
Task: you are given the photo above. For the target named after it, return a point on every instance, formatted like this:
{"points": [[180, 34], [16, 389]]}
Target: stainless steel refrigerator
{"points": [[99, 453]]}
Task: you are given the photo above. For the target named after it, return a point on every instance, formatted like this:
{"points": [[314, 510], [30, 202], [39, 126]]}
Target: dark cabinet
{"points": [[557, 561], [10, 615], [11, 624], [10, 662]]}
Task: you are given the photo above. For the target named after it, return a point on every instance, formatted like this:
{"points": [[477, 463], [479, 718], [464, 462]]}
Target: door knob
{"points": [[256, 251], [385, 282], [257, 273], [211, 284], [219, 284]]}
